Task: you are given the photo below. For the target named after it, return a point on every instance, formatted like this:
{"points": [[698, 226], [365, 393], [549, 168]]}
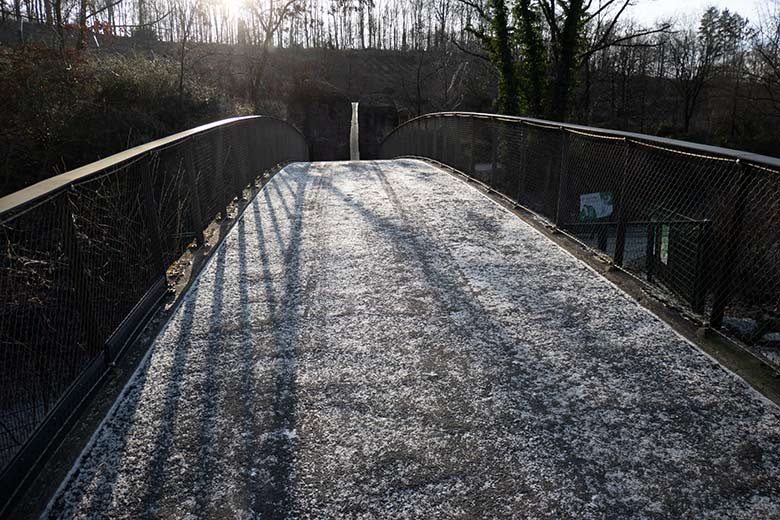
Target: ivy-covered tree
{"points": [[498, 42], [538, 50], [533, 75]]}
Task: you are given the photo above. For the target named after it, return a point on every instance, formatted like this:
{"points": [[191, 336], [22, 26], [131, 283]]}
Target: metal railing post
{"points": [[620, 205], [196, 211], [562, 177], [650, 248], [90, 324], [443, 156], [253, 141], [723, 280], [523, 166], [493, 154], [280, 156], [152, 219], [241, 135], [473, 148], [219, 164], [434, 139], [418, 139], [699, 283], [432, 129]]}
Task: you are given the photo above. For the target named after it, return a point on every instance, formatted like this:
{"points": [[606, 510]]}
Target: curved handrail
{"points": [[718, 151], [58, 182]]}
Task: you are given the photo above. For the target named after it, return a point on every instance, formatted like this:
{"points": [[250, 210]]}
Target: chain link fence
{"points": [[699, 223], [84, 259]]}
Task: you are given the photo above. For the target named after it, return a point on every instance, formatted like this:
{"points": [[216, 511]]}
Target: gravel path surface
{"points": [[379, 340]]}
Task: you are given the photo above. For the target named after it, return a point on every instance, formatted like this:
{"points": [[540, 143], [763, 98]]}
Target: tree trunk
{"points": [[18, 14], [82, 40], [508, 87], [566, 62]]}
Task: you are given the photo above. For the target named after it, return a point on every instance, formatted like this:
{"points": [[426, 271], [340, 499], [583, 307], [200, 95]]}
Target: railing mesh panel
{"points": [[113, 225], [42, 345]]}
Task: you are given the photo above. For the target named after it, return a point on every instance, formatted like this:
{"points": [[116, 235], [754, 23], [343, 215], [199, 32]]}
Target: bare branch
{"points": [[471, 53], [601, 9], [620, 41], [481, 12], [109, 6]]}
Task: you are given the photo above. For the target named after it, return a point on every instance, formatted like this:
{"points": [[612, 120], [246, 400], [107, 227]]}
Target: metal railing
{"points": [[701, 223], [84, 259]]}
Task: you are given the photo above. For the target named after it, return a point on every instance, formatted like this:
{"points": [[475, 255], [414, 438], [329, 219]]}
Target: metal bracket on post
{"points": [[192, 183], [562, 180], [620, 207], [723, 281]]}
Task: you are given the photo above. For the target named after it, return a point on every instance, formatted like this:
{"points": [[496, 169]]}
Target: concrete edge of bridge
{"points": [[34, 500], [727, 353]]}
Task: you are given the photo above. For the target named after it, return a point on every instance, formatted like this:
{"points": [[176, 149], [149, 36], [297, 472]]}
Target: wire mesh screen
{"points": [[701, 224], [81, 264], [39, 318], [106, 249]]}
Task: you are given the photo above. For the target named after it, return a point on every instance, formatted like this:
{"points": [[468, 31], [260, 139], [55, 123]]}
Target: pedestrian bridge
{"points": [[380, 339]]}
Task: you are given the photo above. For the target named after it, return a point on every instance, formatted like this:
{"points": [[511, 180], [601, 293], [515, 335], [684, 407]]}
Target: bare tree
{"points": [[766, 45], [694, 54], [270, 19]]}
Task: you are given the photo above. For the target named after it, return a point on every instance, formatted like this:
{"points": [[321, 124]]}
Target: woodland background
{"points": [[82, 79]]}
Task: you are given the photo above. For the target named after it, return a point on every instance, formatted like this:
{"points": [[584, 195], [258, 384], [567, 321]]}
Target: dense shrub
{"points": [[66, 109]]}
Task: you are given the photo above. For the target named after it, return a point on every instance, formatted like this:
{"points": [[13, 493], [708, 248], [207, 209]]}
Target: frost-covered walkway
{"points": [[379, 340]]}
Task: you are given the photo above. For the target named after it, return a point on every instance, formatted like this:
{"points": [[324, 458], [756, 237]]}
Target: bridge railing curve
{"points": [[84, 259], [701, 224]]}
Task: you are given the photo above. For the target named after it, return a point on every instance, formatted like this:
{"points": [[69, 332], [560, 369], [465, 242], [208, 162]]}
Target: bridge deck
{"points": [[379, 340]]}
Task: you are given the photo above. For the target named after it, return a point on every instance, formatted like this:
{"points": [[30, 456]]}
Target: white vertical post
{"points": [[354, 140]]}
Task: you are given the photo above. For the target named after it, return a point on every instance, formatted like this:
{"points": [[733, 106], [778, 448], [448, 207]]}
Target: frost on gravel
{"points": [[379, 340]]}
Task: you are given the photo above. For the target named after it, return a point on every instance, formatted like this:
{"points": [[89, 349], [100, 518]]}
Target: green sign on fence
{"points": [[594, 206]]}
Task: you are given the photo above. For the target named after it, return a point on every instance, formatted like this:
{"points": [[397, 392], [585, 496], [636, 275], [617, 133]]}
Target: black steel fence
{"points": [[701, 223], [84, 258]]}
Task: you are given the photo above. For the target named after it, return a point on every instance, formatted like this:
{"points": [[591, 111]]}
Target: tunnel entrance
{"points": [[323, 113], [377, 116]]}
